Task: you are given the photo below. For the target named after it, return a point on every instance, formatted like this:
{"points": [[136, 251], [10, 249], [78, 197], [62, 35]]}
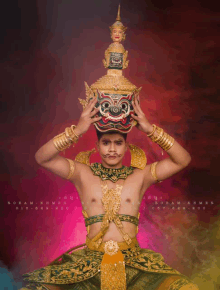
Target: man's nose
{"points": [[112, 147]]}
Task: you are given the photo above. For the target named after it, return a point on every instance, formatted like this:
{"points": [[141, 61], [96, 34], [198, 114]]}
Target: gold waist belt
{"points": [[113, 276], [105, 245]]}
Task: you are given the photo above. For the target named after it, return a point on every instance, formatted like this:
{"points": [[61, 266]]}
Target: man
{"points": [[112, 147], [111, 193]]}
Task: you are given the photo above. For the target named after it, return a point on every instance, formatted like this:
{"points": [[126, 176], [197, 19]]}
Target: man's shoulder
{"points": [[82, 167]]}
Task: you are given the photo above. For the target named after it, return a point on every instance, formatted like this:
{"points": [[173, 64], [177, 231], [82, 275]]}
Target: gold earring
{"points": [[138, 157], [84, 156]]}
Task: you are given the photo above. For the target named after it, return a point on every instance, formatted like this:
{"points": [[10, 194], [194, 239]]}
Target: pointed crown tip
{"points": [[118, 18]]}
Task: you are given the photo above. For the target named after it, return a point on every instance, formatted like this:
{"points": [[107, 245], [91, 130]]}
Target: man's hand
{"points": [[86, 118], [142, 122]]}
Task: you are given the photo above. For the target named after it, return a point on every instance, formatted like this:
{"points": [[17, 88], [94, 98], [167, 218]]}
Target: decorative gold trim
{"points": [[89, 95], [85, 215], [122, 245], [84, 156], [72, 168], [153, 171], [111, 174], [183, 284], [138, 157], [111, 247]]}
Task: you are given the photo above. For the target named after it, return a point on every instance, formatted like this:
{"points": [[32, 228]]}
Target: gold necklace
{"points": [[111, 174]]}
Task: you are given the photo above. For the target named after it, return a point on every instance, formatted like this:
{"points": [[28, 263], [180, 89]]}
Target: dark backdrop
{"points": [[48, 49]]}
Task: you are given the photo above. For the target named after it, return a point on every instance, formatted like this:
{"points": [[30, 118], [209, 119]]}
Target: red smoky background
{"points": [[48, 49]]}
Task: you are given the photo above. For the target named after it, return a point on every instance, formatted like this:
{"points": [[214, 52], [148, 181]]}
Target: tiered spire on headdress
{"points": [[118, 23], [113, 91]]}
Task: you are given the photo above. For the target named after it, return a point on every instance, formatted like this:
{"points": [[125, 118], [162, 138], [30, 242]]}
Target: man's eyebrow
{"points": [[119, 140]]}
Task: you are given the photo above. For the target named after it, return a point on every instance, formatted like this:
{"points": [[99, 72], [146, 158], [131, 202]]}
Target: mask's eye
{"points": [[124, 106], [106, 105]]}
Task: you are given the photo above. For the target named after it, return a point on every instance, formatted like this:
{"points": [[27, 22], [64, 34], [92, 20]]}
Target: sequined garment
{"points": [[80, 270]]}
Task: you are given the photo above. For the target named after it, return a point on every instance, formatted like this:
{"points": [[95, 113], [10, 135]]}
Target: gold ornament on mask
{"points": [[89, 95], [138, 157]]}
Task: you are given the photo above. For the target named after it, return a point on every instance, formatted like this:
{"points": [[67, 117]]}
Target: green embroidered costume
{"points": [[81, 268]]}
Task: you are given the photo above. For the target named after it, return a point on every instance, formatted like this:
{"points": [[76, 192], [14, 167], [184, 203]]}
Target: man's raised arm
{"points": [[48, 155], [178, 159]]}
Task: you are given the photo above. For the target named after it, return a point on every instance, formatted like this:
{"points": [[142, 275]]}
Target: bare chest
{"points": [[91, 194]]}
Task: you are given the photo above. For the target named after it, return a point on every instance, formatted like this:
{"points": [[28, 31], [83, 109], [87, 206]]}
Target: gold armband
{"points": [[164, 140], [153, 171], [72, 168], [65, 139]]}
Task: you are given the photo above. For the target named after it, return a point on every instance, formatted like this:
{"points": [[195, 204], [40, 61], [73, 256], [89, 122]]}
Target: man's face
{"points": [[117, 35], [112, 148]]}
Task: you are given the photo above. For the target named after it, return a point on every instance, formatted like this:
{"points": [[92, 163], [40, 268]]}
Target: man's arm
{"points": [[48, 156], [178, 159]]}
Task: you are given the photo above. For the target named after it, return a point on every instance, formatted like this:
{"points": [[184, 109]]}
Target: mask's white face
{"points": [[116, 112]]}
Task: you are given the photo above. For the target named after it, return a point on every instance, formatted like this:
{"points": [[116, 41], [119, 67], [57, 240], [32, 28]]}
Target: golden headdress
{"points": [[113, 91]]}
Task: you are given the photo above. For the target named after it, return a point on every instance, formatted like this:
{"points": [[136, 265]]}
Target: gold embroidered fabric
{"points": [[113, 259], [183, 284], [113, 276], [99, 218], [85, 264], [111, 201]]}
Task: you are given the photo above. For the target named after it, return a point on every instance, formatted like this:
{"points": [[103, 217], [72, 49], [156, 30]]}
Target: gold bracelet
{"points": [[164, 140], [170, 143], [72, 168], [59, 143], [65, 139], [159, 135], [68, 134], [75, 137], [154, 129], [153, 171]]}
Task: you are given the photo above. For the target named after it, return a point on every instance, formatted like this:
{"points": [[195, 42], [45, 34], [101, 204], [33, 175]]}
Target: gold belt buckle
{"points": [[111, 247]]}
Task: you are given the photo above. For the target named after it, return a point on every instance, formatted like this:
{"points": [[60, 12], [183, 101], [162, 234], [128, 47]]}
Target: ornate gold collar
{"points": [[111, 174]]}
